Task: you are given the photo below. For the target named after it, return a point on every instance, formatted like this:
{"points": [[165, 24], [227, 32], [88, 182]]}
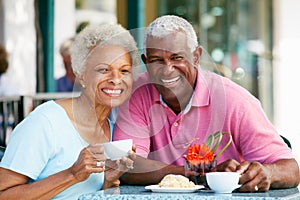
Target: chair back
{"points": [[287, 142]]}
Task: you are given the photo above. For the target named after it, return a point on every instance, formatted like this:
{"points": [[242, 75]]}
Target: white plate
{"points": [[156, 188]]}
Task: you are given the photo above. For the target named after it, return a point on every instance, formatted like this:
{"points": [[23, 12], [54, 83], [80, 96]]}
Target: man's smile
{"points": [[170, 81]]}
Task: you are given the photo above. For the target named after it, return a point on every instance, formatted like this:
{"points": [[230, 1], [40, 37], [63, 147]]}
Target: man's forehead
{"points": [[151, 51], [171, 42]]}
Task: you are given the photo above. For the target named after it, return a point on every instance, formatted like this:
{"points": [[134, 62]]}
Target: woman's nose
{"points": [[115, 77]]}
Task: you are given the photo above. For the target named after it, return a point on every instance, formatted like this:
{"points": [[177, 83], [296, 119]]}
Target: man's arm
{"points": [[255, 176], [147, 172], [285, 173]]}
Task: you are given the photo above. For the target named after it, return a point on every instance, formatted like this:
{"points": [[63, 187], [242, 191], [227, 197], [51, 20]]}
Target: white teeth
{"points": [[170, 80], [112, 91]]}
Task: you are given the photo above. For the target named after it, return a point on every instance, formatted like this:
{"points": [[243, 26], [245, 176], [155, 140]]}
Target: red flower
{"points": [[200, 154]]}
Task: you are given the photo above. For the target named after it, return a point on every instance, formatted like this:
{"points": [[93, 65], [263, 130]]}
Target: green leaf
{"points": [[219, 135], [210, 141], [225, 147]]}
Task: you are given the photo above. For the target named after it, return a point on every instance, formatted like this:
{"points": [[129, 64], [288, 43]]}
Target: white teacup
{"points": [[223, 182], [117, 149]]}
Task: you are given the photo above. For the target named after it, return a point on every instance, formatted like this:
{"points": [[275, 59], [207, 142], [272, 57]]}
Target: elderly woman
{"points": [[57, 152]]}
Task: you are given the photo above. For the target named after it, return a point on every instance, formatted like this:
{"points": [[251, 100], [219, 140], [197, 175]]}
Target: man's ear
{"points": [[197, 54], [144, 58]]}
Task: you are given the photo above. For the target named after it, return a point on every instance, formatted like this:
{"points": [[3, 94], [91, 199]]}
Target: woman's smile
{"points": [[112, 92]]}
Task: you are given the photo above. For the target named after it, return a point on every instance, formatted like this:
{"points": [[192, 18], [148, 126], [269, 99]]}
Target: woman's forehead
{"points": [[107, 54]]}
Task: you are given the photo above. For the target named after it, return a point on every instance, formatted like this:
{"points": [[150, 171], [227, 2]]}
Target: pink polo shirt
{"points": [[218, 104]]}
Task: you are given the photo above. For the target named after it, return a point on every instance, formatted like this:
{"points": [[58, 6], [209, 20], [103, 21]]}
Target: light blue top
{"points": [[45, 143]]}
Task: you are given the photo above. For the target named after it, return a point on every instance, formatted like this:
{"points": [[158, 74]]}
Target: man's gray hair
{"points": [[101, 35], [167, 24]]}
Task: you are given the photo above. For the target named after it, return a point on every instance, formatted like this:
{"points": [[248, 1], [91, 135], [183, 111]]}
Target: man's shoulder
{"points": [[231, 90], [227, 84]]}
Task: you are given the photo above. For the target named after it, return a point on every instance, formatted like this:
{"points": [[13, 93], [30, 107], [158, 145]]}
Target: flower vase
{"points": [[196, 172]]}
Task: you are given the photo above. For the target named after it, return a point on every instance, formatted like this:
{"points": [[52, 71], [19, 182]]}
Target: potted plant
{"points": [[202, 158]]}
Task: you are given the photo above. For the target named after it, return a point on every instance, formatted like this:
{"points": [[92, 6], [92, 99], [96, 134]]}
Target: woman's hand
{"points": [[115, 169], [91, 160]]}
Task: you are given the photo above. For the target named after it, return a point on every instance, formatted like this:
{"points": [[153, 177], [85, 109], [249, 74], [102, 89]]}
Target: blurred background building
{"points": [[252, 42]]}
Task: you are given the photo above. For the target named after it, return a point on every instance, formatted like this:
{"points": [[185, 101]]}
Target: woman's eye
{"points": [[126, 71], [102, 70]]}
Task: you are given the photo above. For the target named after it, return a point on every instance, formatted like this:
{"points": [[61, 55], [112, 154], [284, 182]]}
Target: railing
{"points": [[14, 109], [11, 113]]}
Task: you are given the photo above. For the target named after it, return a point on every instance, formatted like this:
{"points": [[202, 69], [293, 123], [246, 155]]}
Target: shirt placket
{"points": [[175, 122]]}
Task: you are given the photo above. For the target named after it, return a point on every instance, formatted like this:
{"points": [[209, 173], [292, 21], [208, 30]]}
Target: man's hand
{"points": [[261, 177], [254, 177]]}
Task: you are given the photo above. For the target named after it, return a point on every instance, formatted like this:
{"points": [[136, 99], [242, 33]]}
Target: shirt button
{"points": [[175, 124]]}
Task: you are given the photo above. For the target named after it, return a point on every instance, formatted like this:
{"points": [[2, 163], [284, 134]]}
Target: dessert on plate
{"points": [[176, 181]]}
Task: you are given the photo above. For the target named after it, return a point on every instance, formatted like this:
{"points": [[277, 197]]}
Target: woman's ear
{"points": [[197, 54], [82, 81]]}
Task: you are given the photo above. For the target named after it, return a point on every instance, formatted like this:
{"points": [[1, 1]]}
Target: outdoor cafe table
{"points": [[139, 193]]}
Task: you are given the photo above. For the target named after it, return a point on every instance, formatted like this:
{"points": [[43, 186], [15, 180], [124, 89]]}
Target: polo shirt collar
{"points": [[201, 93]]}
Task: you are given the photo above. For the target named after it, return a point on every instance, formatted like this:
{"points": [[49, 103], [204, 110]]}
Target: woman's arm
{"points": [[14, 185]]}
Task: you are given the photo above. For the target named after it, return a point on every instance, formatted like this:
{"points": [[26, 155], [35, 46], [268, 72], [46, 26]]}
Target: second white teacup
{"points": [[223, 182]]}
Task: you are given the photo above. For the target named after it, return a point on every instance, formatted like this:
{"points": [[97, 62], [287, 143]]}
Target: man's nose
{"points": [[169, 66]]}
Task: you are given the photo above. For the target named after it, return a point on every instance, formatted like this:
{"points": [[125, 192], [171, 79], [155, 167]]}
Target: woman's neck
{"points": [[90, 111], [92, 120]]}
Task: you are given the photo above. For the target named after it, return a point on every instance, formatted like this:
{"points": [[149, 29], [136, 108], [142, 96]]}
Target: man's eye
{"points": [[154, 60], [177, 58]]}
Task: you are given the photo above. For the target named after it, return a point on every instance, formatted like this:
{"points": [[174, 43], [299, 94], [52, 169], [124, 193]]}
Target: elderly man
{"points": [[67, 83], [175, 101]]}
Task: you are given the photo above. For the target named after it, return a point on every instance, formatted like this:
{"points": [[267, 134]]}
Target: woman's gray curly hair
{"points": [[101, 35], [167, 24]]}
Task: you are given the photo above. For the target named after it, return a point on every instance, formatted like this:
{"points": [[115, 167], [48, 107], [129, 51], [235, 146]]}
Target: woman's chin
{"points": [[115, 102]]}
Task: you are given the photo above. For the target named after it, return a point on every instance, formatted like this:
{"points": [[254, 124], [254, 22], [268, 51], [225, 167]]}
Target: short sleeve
{"points": [[29, 147]]}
